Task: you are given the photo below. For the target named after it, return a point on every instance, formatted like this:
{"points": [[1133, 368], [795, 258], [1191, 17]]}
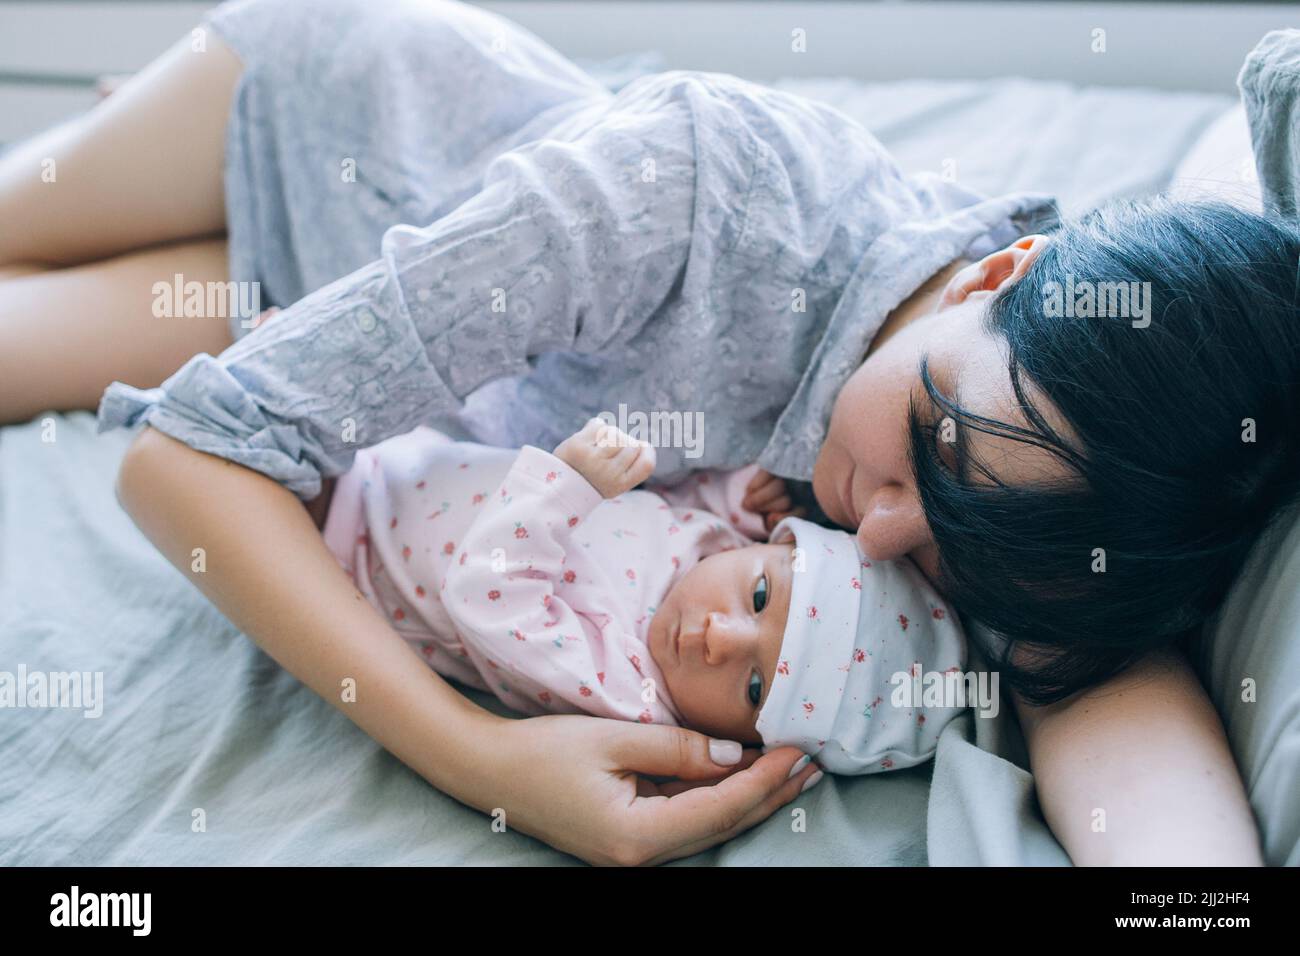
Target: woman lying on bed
{"points": [[692, 242]]}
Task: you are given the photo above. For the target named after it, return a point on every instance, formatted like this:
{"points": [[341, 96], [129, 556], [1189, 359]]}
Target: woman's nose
{"points": [[894, 524]]}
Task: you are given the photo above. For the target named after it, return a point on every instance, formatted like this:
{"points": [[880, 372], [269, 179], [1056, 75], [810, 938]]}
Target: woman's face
{"points": [[862, 477]]}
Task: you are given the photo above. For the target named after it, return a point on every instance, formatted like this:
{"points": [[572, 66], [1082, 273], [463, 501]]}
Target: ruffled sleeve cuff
{"points": [[340, 370], [203, 406]]}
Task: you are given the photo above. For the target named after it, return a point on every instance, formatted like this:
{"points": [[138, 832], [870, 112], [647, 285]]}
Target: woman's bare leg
{"points": [[65, 334], [143, 167], [96, 211]]}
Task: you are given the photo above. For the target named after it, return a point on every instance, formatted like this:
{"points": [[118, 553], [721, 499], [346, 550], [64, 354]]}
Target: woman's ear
{"points": [[994, 271]]}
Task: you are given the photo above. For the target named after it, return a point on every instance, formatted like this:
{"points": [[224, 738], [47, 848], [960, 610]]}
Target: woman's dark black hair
{"points": [[1162, 476]]}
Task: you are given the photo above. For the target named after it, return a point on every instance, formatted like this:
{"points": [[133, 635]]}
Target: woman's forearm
{"points": [[1138, 772], [266, 567], [577, 782]]}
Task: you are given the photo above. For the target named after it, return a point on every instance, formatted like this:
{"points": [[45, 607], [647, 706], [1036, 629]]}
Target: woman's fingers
{"points": [[676, 819], [702, 817], [586, 793], [672, 787], [660, 751]]}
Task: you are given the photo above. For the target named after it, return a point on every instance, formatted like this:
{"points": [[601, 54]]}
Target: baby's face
{"points": [[717, 635]]}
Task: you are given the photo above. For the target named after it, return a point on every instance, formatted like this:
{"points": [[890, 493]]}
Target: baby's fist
{"points": [[767, 495], [610, 459]]}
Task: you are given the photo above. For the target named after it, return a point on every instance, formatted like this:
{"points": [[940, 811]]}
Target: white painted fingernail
{"points": [[812, 781], [798, 765], [725, 752]]}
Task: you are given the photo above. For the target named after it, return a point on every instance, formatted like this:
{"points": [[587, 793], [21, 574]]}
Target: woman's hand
{"points": [[767, 495], [581, 784]]}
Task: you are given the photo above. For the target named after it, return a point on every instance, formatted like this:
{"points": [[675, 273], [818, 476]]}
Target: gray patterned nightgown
{"points": [[517, 246]]}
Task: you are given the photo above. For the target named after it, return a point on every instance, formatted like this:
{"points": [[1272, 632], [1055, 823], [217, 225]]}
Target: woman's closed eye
{"points": [[945, 439], [940, 440], [948, 436]]}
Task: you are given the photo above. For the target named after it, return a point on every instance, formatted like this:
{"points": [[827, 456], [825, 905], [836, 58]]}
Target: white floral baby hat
{"points": [[854, 624]]}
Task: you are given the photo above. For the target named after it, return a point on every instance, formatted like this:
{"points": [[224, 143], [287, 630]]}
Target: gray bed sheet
{"points": [[1084, 145], [196, 718]]}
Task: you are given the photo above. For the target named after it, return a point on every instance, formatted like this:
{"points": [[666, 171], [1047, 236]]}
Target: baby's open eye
{"points": [[755, 687], [760, 594]]}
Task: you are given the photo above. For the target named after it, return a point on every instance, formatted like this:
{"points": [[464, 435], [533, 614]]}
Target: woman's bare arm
{"points": [[569, 780], [1137, 771]]}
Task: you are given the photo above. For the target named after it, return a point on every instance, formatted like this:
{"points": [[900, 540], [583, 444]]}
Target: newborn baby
{"points": [[546, 580]]}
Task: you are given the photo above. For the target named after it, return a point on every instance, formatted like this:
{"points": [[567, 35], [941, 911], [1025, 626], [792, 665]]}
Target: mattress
{"points": [[1083, 145]]}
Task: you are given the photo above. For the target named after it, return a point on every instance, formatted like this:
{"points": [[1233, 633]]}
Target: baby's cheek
{"points": [[656, 636], [697, 696]]}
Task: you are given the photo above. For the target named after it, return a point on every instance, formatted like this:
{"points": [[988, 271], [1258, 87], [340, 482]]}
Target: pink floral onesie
{"points": [[513, 575]]}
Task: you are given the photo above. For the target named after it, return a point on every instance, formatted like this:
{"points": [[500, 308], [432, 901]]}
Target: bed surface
{"points": [[1083, 145], [197, 718]]}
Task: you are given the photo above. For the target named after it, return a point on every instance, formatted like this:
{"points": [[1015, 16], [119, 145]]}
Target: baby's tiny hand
{"points": [[610, 459], [766, 495]]}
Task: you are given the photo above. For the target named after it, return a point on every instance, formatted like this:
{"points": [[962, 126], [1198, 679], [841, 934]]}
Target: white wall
{"points": [[1165, 45], [1172, 46], [71, 42]]}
